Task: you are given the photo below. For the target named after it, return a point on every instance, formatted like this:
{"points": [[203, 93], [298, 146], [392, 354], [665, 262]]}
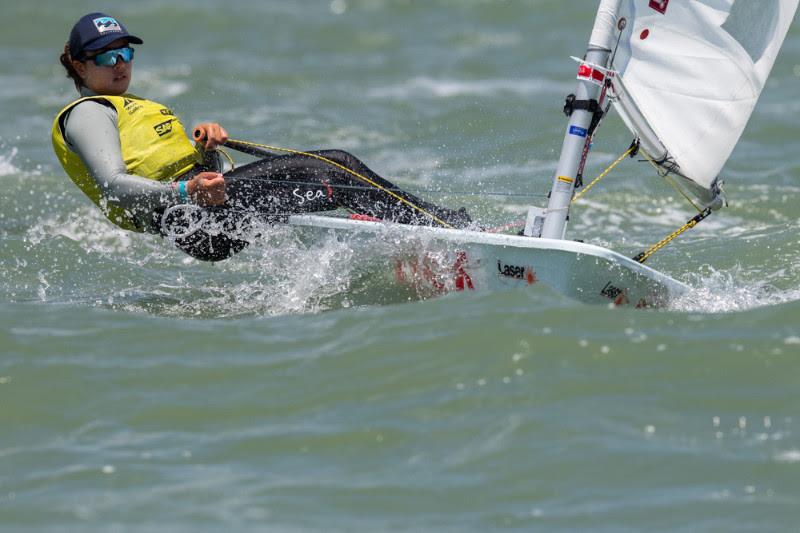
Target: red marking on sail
{"points": [[660, 5], [645, 34]]}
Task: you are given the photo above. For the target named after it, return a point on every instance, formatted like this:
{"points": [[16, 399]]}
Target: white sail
{"points": [[690, 73]]}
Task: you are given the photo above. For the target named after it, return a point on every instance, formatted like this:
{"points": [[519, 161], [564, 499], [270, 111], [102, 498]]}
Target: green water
{"points": [[142, 391]]}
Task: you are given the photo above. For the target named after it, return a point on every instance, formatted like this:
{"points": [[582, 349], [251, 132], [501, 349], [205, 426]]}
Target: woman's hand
{"points": [[210, 135], [207, 188]]}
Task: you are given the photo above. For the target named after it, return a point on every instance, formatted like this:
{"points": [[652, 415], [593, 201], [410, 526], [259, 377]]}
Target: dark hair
{"points": [[66, 62]]}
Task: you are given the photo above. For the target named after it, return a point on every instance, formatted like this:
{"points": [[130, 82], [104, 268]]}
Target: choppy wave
{"points": [[143, 390], [165, 83]]}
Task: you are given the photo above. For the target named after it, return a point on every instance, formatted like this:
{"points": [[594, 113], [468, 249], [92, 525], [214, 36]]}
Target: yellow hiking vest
{"points": [[154, 145]]}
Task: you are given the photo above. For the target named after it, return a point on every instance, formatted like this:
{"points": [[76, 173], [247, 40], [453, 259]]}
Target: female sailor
{"points": [[131, 156]]}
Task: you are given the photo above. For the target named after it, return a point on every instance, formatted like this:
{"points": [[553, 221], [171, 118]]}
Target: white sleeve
{"points": [[91, 131]]}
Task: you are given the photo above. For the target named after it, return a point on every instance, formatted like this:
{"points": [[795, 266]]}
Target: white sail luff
{"points": [[604, 33]]}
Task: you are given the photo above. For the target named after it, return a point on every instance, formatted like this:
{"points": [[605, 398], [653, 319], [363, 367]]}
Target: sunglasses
{"points": [[109, 58]]}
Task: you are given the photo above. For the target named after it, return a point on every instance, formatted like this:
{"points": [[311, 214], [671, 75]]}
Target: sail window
{"points": [[753, 25]]}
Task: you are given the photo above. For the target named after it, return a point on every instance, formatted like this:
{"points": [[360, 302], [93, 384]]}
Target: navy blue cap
{"points": [[95, 31]]}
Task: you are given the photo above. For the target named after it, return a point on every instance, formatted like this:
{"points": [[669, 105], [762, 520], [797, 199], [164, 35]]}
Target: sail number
{"points": [[660, 5]]}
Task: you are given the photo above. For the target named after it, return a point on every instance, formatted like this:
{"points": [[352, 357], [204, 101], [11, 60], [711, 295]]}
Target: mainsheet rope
{"points": [[247, 147]]}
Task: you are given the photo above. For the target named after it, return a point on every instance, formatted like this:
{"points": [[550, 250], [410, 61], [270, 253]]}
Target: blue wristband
{"points": [[182, 192]]}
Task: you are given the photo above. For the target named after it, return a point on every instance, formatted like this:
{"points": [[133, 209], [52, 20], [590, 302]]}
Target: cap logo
{"points": [[107, 25]]}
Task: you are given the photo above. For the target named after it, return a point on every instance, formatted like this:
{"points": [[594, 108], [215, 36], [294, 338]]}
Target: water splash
{"points": [[85, 226], [726, 291], [284, 271], [7, 168], [279, 273]]}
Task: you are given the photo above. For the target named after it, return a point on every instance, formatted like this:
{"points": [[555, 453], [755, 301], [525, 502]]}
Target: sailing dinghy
{"points": [[685, 76]]}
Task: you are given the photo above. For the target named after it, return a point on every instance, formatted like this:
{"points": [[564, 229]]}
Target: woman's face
{"points": [[110, 80]]}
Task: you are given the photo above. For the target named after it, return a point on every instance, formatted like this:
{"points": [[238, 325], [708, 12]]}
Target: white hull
{"points": [[435, 261]]}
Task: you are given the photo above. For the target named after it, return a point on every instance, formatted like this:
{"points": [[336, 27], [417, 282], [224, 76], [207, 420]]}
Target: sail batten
{"points": [[690, 72]]}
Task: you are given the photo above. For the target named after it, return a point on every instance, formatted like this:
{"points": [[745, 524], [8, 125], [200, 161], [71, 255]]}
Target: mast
{"points": [[590, 83]]}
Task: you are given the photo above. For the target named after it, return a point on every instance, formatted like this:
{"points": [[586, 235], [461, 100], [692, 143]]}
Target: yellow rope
{"points": [[352, 172], [605, 172], [228, 157], [702, 213], [642, 257], [672, 182]]}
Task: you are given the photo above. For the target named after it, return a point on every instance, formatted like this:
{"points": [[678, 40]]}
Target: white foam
{"points": [[716, 291], [6, 166], [492, 40], [338, 7], [350, 138], [449, 88], [86, 226], [788, 456], [162, 83]]}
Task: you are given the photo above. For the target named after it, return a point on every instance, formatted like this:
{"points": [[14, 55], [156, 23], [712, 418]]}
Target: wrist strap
{"points": [[183, 193]]}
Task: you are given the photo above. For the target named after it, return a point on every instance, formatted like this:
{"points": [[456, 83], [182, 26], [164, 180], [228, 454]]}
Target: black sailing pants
{"points": [[282, 185]]}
